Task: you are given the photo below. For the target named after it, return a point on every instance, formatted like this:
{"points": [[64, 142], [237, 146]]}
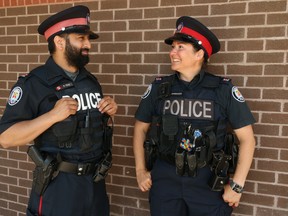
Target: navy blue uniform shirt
{"points": [[37, 93], [189, 101]]}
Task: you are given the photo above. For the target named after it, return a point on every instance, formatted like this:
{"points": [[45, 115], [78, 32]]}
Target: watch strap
{"points": [[236, 187]]}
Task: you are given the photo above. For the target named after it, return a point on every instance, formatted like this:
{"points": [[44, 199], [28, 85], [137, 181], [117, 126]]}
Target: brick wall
{"points": [[130, 53]]}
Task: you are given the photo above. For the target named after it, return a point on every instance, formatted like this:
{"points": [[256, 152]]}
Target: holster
{"points": [[106, 163], [44, 170], [217, 183], [103, 168], [219, 166], [231, 148], [150, 152]]}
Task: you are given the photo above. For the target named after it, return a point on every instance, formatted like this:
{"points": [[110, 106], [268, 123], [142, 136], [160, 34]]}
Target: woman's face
{"points": [[184, 58]]}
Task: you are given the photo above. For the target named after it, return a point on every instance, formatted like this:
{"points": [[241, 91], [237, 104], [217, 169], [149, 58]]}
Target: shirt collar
{"points": [[55, 72], [195, 81]]}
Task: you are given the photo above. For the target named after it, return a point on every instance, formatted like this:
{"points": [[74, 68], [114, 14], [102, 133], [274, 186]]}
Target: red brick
{"points": [[174, 3], [143, 4], [113, 26], [277, 18], [143, 47], [158, 12], [261, 129], [282, 203], [195, 10], [257, 199], [275, 118], [232, 33], [272, 166], [247, 20], [266, 154], [113, 4], [128, 14], [245, 45], [236, 8], [269, 211], [277, 69], [265, 81], [143, 24], [266, 6], [244, 69], [266, 32]]}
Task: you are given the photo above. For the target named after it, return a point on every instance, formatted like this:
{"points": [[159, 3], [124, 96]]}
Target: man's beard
{"points": [[74, 56]]}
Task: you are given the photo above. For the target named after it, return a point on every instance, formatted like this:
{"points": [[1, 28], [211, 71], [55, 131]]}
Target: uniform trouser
{"points": [[173, 195], [69, 194]]}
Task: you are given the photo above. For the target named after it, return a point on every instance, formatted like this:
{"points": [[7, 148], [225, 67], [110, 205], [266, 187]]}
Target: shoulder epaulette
{"points": [[162, 79], [210, 80], [225, 80], [213, 81], [23, 77]]}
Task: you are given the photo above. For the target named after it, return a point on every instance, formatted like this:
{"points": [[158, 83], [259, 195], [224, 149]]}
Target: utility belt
{"points": [[222, 164], [47, 169], [193, 151]]}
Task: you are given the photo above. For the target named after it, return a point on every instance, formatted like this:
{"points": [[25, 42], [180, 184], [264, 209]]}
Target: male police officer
{"points": [[188, 113], [61, 107]]}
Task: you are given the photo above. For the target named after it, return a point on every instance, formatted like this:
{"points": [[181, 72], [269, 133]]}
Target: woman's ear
{"points": [[200, 54]]}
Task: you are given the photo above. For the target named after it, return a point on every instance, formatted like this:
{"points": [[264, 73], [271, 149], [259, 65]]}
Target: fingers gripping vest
{"points": [[79, 133], [189, 119]]}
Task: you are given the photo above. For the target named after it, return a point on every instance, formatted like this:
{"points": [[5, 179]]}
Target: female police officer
{"points": [[188, 113], [60, 106]]}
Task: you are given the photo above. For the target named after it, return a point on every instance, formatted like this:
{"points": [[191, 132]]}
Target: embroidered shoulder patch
{"points": [[15, 96], [147, 92], [237, 94]]}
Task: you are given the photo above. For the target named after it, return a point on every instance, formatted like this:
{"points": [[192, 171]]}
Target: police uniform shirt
{"points": [[186, 102], [37, 93]]}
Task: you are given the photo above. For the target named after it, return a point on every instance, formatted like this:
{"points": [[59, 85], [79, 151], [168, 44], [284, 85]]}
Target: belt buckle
{"points": [[82, 169]]}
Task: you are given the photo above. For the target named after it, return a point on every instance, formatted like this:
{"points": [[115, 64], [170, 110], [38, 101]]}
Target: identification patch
{"points": [[147, 92], [237, 95], [190, 108], [15, 96]]}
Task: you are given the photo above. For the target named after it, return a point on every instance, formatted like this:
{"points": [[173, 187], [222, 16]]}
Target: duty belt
{"points": [[77, 168]]}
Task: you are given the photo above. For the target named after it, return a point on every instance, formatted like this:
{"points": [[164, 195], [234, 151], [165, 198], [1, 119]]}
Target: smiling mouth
{"points": [[85, 52], [175, 61]]}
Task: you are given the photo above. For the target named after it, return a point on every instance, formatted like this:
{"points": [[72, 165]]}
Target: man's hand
{"points": [[64, 108], [107, 105]]}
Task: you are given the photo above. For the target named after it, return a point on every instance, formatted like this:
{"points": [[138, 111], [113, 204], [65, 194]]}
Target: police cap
{"points": [[191, 30], [71, 20]]}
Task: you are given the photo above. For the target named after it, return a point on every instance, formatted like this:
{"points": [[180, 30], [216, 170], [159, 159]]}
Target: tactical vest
{"points": [[184, 113], [81, 133]]}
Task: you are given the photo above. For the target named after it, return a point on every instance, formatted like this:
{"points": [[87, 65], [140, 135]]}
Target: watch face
{"points": [[235, 187]]}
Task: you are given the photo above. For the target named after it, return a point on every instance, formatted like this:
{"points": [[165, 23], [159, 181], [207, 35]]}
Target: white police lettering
{"points": [[189, 108], [87, 100]]}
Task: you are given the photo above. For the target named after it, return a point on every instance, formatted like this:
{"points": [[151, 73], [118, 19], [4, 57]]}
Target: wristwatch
{"points": [[236, 187]]}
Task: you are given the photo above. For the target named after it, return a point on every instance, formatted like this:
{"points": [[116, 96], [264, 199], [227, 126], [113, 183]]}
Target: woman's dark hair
{"points": [[197, 48]]}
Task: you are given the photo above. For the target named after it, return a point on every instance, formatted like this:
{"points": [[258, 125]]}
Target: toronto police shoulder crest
{"points": [[147, 92], [237, 94], [15, 96]]}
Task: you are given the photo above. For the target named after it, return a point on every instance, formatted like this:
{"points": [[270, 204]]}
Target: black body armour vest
{"points": [[189, 118], [80, 136]]}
